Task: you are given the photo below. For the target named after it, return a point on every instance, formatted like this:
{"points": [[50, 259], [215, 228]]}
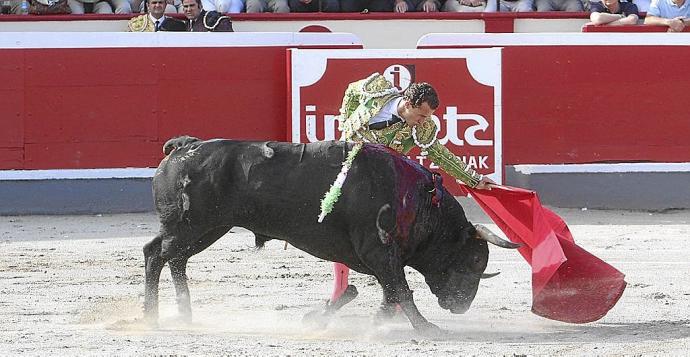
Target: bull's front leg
{"points": [[391, 276], [386, 263], [396, 291]]}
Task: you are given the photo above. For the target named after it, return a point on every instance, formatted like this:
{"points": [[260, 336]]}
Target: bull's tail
{"points": [[178, 142], [385, 223]]}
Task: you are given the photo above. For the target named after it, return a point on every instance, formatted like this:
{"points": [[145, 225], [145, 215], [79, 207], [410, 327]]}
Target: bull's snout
{"points": [[455, 306], [460, 310]]}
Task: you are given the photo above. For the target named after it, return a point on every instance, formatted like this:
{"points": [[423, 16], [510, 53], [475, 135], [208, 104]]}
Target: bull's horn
{"points": [[484, 233], [489, 275]]}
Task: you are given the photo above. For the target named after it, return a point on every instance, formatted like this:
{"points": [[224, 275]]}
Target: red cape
{"points": [[568, 283]]}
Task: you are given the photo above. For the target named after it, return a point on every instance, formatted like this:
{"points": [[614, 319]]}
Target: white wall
{"points": [[394, 33]]}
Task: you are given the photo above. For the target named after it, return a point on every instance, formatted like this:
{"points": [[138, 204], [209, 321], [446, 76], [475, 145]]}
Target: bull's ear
{"points": [[484, 233]]}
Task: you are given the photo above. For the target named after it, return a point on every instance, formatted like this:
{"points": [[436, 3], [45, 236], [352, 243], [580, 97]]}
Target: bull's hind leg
{"points": [[178, 272], [178, 267], [153, 265]]}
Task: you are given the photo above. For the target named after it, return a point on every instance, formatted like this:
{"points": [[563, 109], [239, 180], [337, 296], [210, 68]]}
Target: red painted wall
{"points": [[114, 107], [90, 108], [584, 104], [578, 98]]}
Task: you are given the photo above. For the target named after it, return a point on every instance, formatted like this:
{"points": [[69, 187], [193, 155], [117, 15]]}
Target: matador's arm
{"points": [[441, 156]]}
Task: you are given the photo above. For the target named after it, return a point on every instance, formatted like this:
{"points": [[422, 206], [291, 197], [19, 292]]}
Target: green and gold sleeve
{"points": [[450, 163], [441, 156]]}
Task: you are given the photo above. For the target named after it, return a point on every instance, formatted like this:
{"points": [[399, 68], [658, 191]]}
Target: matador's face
{"points": [[416, 115]]}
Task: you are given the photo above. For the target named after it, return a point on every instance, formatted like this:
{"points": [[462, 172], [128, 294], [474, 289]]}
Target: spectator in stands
{"points": [[279, 6], [672, 13], [99, 6], [517, 5], [642, 5], [10, 6], [314, 5], [155, 20], [200, 20], [470, 5], [223, 6], [367, 5], [403, 6], [613, 12], [171, 6], [559, 5]]}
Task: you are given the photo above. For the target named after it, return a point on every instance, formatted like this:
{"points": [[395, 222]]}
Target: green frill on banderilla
{"points": [[331, 197]]}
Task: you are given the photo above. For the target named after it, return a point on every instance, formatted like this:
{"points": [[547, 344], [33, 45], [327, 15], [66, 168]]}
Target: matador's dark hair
{"points": [[418, 93]]}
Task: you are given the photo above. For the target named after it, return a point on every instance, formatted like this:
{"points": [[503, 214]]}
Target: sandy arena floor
{"points": [[71, 285]]}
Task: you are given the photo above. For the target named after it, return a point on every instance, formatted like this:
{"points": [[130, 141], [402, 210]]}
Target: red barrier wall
{"points": [[578, 98], [114, 107], [584, 104], [567, 98], [628, 28], [87, 108]]}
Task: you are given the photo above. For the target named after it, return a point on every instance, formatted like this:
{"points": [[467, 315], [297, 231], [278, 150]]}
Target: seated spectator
{"points": [[223, 6], [642, 5], [559, 5], [368, 5], [403, 6], [155, 20], [517, 5], [672, 13], [200, 20], [171, 6], [314, 5], [79, 7], [613, 13], [279, 6], [470, 5], [10, 7]]}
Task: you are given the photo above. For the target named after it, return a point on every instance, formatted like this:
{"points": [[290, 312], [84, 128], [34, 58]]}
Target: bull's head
{"points": [[456, 285]]}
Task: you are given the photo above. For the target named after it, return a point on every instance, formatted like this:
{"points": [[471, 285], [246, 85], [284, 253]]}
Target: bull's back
{"points": [[286, 190], [295, 183], [275, 189], [244, 179]]}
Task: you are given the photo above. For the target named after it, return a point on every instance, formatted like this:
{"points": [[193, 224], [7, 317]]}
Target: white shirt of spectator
{"points": [[668, 10], [642, 5], [153, 21]]}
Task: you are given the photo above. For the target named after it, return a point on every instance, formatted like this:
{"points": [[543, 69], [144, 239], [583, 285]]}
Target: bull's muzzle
{"points": [[455, 306]]}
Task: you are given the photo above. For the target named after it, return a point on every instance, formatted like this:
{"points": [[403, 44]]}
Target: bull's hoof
{"points": [[150, 319], [183, 319], [317, 319], [388, 314], [428, 329]]}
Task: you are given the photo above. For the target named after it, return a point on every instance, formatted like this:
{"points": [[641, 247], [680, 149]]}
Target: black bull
{"points": [[391, 214]]}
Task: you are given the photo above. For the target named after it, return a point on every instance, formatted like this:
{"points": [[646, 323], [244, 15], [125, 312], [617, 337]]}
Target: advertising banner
{"points": [[468, 83]]}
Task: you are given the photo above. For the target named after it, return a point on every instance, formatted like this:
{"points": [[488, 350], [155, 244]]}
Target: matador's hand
{"points": [[485, 183]]}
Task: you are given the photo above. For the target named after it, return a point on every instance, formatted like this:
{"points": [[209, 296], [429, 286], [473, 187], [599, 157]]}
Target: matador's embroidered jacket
{"points": [[365, 98], [140, 23]]}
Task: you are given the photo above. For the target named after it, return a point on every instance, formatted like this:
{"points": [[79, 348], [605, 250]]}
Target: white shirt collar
{"points": [[387, 111], [153, 19]]}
